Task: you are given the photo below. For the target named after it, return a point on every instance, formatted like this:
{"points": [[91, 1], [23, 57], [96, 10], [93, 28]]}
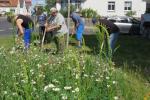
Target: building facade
{"points": [[116, 7], [16, 6], [7, 5]]}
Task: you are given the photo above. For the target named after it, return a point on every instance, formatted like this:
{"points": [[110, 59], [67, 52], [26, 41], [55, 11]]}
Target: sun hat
{"points": [[53, 9]]}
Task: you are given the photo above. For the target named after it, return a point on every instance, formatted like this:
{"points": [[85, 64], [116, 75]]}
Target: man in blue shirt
{"points": [[78, 27]]}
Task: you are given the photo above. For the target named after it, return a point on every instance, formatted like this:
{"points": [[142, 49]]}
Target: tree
{"points": [[49, 4]]}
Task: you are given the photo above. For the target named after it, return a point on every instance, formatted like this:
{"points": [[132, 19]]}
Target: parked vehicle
{"points": [[127, 25], [2, 13], [145, 25]]}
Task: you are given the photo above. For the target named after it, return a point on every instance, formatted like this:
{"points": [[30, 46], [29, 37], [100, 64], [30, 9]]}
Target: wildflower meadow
{"points": [[73, 75]]}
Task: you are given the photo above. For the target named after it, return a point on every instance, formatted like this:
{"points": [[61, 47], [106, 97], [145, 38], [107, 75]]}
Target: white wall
{"points": [[7, 9], [101, 7]]}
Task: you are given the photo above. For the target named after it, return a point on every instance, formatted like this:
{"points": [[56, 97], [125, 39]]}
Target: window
{"points": [[128, 5], [124, 21], [112, 20], [111, 6]]}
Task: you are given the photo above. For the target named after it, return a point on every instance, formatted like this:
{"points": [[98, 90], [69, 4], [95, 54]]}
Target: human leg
{"points": [[27, 38], [79, 33], [60, 43], [113, 40]]}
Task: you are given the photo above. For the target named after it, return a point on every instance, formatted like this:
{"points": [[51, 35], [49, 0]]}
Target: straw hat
{"points": [[53, 9]]}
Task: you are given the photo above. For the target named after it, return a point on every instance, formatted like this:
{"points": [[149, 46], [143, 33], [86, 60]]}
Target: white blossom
{"points": [[85, 75], [107, 78], [98, 79], [39, 66], [108, 86], [77, 76], [33, 82], [77, 89], [116, 98], [114, 82], [64, 97], [46, 88], [67, 87], [56, 89], [5, 92]]}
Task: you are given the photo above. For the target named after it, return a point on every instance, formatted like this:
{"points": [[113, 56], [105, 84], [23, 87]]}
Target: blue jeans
{"points": [[27, 38], [79, 32], [113, 39]]}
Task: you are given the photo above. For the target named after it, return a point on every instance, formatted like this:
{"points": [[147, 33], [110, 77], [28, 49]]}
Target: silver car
{"points": [[127, 25]]}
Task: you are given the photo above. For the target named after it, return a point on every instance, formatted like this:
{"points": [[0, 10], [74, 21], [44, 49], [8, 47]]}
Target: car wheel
{"points": [[134, 31]]}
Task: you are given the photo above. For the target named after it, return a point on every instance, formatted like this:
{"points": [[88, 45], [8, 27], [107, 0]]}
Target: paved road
{"points": [[6, 29]]}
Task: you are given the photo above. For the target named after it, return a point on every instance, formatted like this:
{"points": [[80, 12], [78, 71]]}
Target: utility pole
{"points": [[68, 22]]}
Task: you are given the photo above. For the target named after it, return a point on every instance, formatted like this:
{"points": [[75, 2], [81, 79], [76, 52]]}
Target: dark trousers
{"points": [[41, 32]]}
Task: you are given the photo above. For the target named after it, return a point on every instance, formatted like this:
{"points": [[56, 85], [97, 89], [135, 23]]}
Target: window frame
{"points": [[111, 6], [127, 5]]}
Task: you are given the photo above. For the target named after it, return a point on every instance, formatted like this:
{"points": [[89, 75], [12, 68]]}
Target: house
{"points": [[116, 7], [23, 7], [7, 5], [16, 6], [112, 7]]}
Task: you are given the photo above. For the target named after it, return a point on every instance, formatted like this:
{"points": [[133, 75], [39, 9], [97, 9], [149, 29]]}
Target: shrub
{"points": [[64, 11], [10, 16], [131, 13], [89, 13]]}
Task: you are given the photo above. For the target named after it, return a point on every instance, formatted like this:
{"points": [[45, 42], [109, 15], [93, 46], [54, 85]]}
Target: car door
{"points": [[124, 25], [135, 28]]}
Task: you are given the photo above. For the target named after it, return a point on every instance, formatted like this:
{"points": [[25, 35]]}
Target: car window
{"points": [[112, 20], [124, 21]]}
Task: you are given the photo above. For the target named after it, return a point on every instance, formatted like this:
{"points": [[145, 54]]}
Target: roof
{"points": [[12, 3], [8, 3], [28, 2]]}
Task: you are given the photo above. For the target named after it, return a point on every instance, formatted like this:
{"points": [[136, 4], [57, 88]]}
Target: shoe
{"points": [[78, 46]]}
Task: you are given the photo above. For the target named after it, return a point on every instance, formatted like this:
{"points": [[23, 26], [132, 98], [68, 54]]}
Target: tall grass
{"points": [[38, 76], [73, 75]]}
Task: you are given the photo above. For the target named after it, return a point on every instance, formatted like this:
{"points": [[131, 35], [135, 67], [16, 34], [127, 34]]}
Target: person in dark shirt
{"points": [[41, 20], [25, 26], [112, 29]]}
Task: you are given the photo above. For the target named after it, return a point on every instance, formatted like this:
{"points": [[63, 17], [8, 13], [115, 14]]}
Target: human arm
{"points": [[51, 26], [18, 23]]}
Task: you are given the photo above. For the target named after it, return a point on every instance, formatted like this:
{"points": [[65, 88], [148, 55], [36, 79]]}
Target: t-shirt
{"points": [[27, 21], [77, 19], [41, 19], [58, 20], [111, 27]]}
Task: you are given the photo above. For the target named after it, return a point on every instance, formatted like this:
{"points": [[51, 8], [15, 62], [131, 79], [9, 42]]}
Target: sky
{"points": [[38, 2]]}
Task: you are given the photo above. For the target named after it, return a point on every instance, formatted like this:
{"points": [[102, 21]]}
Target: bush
{"points": [[89, 13], [10, 16], [131, 13], [64, 11]]}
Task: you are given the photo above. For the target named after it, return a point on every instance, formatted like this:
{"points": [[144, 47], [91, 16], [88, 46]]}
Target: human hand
{"points": [[73, 32]]}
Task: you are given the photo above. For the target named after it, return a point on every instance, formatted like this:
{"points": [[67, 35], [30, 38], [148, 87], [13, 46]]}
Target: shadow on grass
{"points": [[133, 50]]}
